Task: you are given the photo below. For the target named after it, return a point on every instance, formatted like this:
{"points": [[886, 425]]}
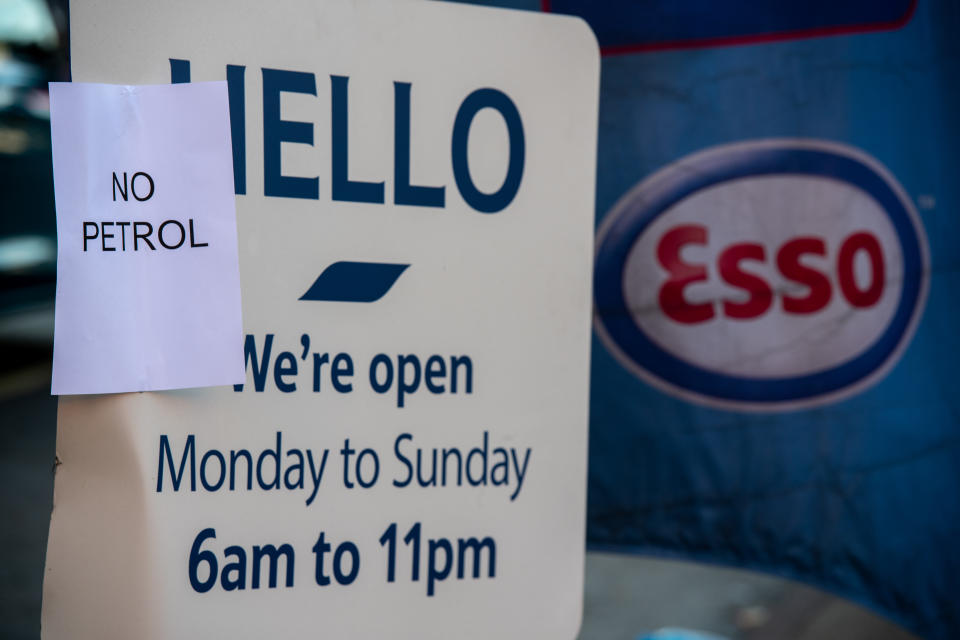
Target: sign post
{"points": [[407, 456]]}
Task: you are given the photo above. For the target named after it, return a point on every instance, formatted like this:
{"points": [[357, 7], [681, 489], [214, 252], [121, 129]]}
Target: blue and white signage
{"points": [[407, 455], [764, 275]]}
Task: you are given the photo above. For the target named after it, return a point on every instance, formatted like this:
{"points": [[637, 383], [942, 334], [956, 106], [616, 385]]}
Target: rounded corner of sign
{"points": [[579, 33], [577, 625], [586, 32]]}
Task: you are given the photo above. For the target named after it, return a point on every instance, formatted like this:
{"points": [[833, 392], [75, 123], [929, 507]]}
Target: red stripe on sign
{"points": [[756, 38]]}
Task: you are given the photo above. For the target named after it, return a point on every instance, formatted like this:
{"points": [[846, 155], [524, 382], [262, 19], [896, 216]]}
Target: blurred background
{"points": [[33, 51], [627, 596]]}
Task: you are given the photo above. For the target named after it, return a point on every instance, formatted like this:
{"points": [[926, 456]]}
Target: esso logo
{"points": [[758, 293], [768, 275]]}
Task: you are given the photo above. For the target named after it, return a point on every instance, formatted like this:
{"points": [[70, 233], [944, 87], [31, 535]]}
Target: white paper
{"points": [[148, 283]]}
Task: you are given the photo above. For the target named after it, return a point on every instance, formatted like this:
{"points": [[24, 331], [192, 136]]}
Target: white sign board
{"points": [[407, 457], [148, 288]]}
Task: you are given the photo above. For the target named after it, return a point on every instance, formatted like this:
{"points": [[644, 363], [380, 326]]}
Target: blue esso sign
{"points": [[764, 275]]}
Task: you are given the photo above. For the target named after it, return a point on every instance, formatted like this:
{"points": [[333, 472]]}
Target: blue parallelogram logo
{"points": [[354, 282]]}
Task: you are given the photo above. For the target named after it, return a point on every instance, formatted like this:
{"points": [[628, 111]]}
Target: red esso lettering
{"points": [[759, 292]]}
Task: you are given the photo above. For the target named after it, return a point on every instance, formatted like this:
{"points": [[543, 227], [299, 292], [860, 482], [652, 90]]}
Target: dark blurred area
{"points": [[33, 52]]}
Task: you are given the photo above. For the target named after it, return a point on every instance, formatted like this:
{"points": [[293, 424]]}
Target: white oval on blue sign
{"points": [[765, 275]]}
